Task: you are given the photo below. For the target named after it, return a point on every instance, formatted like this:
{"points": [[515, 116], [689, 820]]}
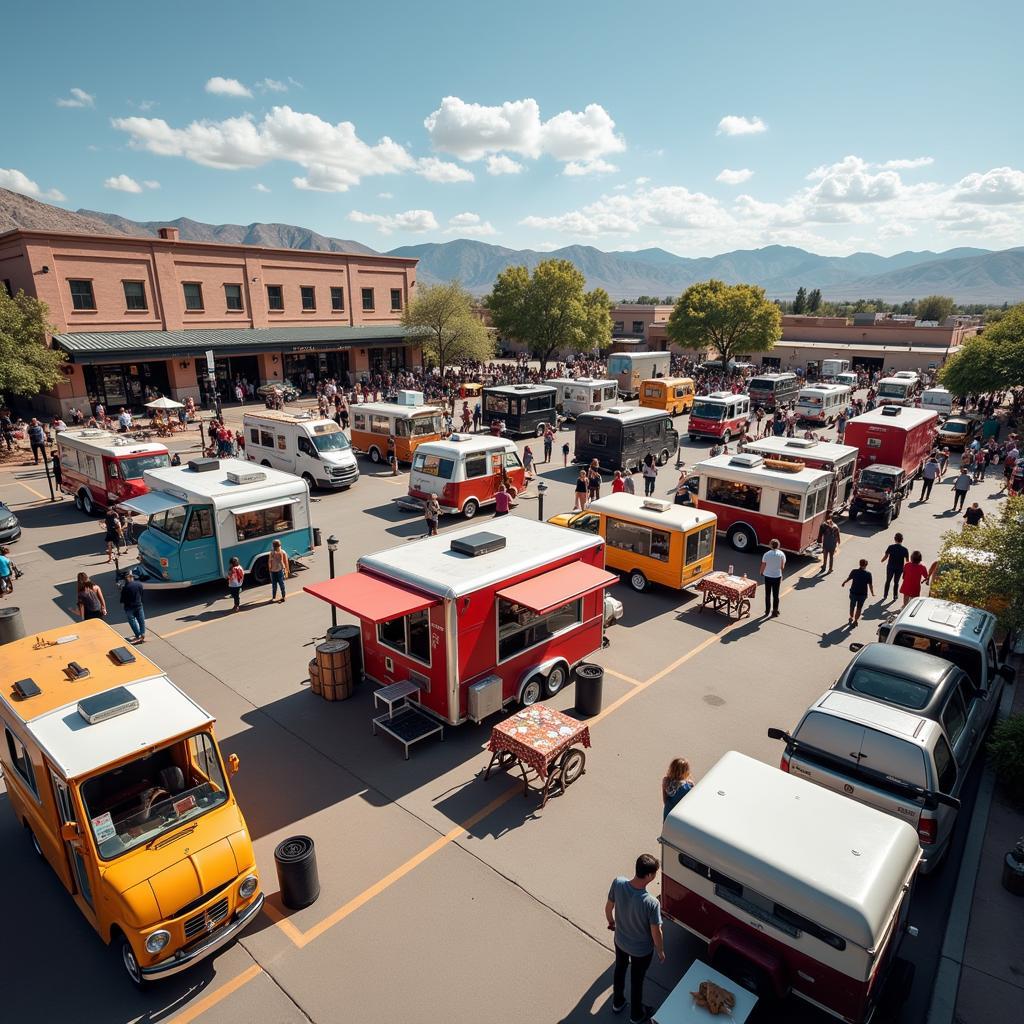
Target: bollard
{"points": [[12, 626]]}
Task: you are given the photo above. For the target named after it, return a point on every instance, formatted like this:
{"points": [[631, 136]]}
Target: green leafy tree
{"points": [[548, 310], [993, 362], [443, 315], [935, 307], [814, 301], [27, 365], [736, 319], [800, 302]]}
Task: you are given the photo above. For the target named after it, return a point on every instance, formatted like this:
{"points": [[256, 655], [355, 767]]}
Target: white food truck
{"points": [[303, 444], [822, 403], [584, 394]]}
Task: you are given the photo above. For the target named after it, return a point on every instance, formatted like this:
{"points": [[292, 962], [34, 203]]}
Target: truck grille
{"points": [[207, 920], [345, 473]]}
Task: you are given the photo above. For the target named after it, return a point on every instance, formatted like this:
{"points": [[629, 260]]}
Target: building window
{"points": [[638, 327], [396, 300], [368, 300], [134, 295], [233, 296], [193, 295], [619, 327], [22, 762], [81, 294], [338, 300], [275, 297], [308, 293]]}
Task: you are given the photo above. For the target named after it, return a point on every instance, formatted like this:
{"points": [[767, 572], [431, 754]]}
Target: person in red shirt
{"points": [[618, 484], [502, 502], [914, 575]]}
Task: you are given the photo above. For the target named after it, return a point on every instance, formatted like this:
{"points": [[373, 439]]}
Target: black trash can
{"points": [[589, 688], [296, 872], [12, 626], [1013, 869], [317, 537], [354, 637]]}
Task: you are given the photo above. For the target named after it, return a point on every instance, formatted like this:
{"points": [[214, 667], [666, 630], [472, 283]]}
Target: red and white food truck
{"points": [[893, 435], [464, 471], [839, 459], [100, 468], [758, 499], [720, 414], [478, 617], [794, 891]]}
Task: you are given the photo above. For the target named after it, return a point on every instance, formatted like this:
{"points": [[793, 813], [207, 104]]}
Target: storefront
{"points": [[303, 367], [230, 369], [129, 384], [388, 360]]}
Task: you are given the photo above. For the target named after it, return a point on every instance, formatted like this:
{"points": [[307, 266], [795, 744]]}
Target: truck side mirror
{"points": [[70, 831], [233, 764]]}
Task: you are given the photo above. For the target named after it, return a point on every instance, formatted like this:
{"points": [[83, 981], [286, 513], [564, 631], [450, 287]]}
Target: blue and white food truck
{"points": [[203, 514]]}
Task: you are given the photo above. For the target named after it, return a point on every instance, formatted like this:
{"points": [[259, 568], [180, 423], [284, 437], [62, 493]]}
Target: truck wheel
{"points": [[897, 509], [126, 955], [78, 501], [854, 512], [266, 463], [693, 437], [87, 506], [261, 572], [374, 454], [663, 457], [889, 517], [555, 681], [532, 691], [39, 850], [638, 581], [540, 430], [470, 509], [742, 538], [310, 482], [727, 437]]}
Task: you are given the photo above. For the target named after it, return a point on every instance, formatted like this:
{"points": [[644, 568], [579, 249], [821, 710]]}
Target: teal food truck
{"points": [[203, 514]]}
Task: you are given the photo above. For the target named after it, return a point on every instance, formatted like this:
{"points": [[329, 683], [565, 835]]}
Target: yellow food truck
{"points": [[116, 776], [649, 540], [673, 395]]}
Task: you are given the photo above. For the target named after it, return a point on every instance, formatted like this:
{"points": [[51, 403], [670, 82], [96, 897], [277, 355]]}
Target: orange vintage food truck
{"points": [[116, 776]]}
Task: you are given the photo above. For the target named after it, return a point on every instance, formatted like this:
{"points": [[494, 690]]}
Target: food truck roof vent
{"points": [[203, 465], [618, 410], [656, 505], [460, 437], [720, 394], [800, 442], [120, 442], [410, 397], [478, 544], [746, 459], [253, 476], [102, 706], [26, 688], [890, 410]]}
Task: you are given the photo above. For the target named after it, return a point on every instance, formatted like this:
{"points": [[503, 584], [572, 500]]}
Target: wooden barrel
{"points": [[314, 677], [334, 659]]}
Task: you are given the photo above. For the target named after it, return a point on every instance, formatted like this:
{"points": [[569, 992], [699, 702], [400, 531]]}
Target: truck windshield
{"points": [[869, 478], [134, 467], [618, 364], [952, 427], [335, 441], [892, 390], [707, 410], [137, 802], [169, 522], [761, 384]]}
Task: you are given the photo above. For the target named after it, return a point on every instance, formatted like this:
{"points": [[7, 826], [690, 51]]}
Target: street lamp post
{"points": [[332, 546], [541, 490]]}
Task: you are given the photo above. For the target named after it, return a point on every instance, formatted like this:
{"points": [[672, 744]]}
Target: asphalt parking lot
{"points": [[444, 896]]}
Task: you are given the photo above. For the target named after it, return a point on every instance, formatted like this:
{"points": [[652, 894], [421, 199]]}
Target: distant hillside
{"points": [[18, 211]]}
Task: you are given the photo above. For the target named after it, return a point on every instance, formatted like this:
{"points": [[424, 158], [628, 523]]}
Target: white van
{"points": [[303, 444], [822, 403], [938, 400]]}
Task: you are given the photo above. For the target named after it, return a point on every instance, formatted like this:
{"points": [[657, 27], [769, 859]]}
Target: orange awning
{"points": [[370, 598], [544, 593]]}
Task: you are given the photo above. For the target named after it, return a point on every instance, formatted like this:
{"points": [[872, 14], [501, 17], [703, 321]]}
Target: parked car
{"points": [[10, 528], [881, 490], [957, 432], [288, 391]]}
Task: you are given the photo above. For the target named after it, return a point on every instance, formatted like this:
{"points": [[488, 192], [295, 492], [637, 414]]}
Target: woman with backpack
{"points": [[91, 604]]}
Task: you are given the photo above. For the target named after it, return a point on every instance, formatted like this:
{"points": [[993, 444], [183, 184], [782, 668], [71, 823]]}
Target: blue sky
{"points": [[698, 127]]}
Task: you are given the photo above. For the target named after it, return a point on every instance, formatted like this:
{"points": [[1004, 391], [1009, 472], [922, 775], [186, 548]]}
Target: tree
{"points": [[450, 331], [736, 319], [548, 310], [800, 302], [814, 301], [935, 307], [27, 365], [992, 362]]}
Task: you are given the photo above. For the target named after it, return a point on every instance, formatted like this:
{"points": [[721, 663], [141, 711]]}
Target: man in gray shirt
{"points": [[635, 917]]}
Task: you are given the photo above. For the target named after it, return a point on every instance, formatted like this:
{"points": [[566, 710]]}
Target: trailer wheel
{"points": [[638, 581], [261, 571], [532, 691], [726, 437], [78, 501], [742, 538], [87, 505], [555, 681], [572, 764], [374, 453], [470, 509], [897, 509]]}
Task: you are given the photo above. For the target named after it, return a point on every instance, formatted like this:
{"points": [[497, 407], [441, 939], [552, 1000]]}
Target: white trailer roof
{"points": [[798, 447], [726, 468], [78, 748], [430, 564], [214, 488], [455, 443], [674, 517], [830, 859], [106, 442], [906, 417], [518, 389]]}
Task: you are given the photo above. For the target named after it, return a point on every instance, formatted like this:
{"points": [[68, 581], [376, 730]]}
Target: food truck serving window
{"points": [[700, 544], [519, 629], [409, 635], [262, 522], [730, 492], [136, 802], [789, 505], [496, 403], [640, 540]]}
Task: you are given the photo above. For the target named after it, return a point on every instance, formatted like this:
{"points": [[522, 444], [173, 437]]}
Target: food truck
{"points": [[100, 468], [623, 436], [301, 443], [203, 514], [109, 766], [838, 459], [720, 414], [822, 403], [479, 617], [521, 408], [756, 499], [464, 471], [673, 395], [770, 390], [649, 540], [897, 390], [893, 435], [831, 368], [583, 394], [937, 400], [631, 369], [409, 424], [795, 889]]}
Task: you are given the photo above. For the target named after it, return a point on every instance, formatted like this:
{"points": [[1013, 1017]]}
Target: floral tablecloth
{"points": [[721, 584], [538, 735]]}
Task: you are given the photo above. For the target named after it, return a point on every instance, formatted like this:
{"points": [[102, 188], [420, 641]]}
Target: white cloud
{"points": [[907, 165], [385, 195], [853, 180], [469, 225], [472, 131], [13, 179], [641, 181], [442, 171], [122, 183], [411, 220], [733, 124], [501, 164], [260, 187], [226, 87], [997, 187], [149, 183], [77, 98], [728, 177], [576, 168], [271, 85]]}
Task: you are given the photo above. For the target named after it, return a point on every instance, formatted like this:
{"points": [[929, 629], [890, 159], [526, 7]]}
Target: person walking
{"points": [[6, 571], [618, 484], [634, 915], [961, 485], [37, 439], [113, 533], [860, 583], [135, 613], [629, 483], [58, 474], [929, 474], [914, 575], [580, 501], [236, 577], [675, 784], [529, 463], [974, 515], [277, 563], [91, 604], [594, 481], [502, 501], [829, 539], [650, 472], [549, 441], [565, 455], [392, 455], [773, 561], [895, 556], [431, 513]]}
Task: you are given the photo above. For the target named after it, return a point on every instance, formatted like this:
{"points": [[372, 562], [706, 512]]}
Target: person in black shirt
{"points": [[131, 598], [973, 515], [860, 583], [895, 558]]}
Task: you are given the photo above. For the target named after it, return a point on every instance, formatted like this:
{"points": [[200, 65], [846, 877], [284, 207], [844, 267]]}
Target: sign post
{"points": [[211, 373]]}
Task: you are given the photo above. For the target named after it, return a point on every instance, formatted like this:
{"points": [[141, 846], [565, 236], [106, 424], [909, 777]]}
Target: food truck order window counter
{"points": [[728, 492], [520, 628], [641, 540], [263, 520]]}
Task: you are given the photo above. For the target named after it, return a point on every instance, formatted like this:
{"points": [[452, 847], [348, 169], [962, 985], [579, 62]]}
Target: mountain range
{"points": [[967, 274]]}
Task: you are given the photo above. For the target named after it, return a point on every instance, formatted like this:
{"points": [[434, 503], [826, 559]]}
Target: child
{"points": [[676, 784]]}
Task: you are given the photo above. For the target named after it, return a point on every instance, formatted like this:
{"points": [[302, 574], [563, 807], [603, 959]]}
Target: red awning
{"points": [[544, 593], [370, 598]]}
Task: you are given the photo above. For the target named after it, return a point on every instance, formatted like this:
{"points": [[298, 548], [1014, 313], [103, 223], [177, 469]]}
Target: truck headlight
{"points": [[157, 941], [248, 886]]}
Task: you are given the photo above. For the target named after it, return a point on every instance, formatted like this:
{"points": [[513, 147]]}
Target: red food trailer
{"points": [[893, 435], [478, 617], [840, 459], [720, 414], [759, 499]]}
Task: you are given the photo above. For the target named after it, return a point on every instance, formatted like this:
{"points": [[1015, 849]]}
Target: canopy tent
{"points": [[164, 403]]}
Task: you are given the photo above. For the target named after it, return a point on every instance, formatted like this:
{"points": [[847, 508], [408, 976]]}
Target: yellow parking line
{"points": [[32, 490], [625, 679], [207, 622], [200, 1006]]}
